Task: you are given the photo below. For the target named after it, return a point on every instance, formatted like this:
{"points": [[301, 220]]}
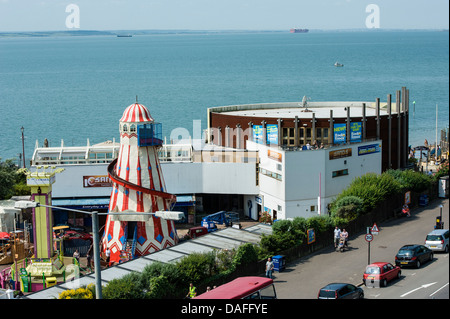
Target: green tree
{"points": [[347, 207], [12, 180]]}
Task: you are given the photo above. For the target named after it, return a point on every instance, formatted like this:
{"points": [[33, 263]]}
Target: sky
{"points": [[51, 15]]}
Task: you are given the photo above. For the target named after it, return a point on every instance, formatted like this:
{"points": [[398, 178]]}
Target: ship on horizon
{"points": [[299, 30]]}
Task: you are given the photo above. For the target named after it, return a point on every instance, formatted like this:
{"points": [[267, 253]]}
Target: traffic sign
{"points": [[369, 237], [374, 229]]}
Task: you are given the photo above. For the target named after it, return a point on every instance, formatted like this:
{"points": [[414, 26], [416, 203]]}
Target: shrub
{"points": [[410, 180], [372, 189], [127, 287], [159, 288], [442, 171], [196, 267], [319, 223], [245, 254], [85, 292], [282, 226], [347, 207], [170, 272], [271, 244]]}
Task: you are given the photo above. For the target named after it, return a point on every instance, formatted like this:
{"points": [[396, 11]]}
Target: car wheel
{"points": [[384, 283], [399, 274], [418, 264], [446, 249], [431, 256]]}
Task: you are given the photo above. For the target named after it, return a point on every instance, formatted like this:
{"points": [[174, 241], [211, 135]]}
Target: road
{"points": [[303, 278]]}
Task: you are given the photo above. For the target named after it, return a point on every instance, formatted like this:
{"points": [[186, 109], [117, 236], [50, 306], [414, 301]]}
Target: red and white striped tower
{"points": [[138, 186]]}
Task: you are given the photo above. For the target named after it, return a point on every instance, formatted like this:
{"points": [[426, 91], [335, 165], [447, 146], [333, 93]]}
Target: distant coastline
{"points": [[148, 32]]}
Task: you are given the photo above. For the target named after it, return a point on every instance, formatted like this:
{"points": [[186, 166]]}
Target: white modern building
{"points": [[303, 182]]}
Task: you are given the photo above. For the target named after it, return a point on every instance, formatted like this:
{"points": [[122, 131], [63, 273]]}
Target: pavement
{"points": [[303, 278]]}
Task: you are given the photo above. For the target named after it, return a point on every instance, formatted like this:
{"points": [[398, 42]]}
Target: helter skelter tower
{"points": [[138, 186]]}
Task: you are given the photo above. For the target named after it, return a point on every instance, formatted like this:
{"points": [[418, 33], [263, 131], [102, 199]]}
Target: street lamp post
{"points": [[97, 268], [23, 147], [95, 229]]}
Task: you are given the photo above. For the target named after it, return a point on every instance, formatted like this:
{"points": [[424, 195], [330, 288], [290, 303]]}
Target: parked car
{"points": [[381, 272], [438, 240], [340, 291], [413, 255]]}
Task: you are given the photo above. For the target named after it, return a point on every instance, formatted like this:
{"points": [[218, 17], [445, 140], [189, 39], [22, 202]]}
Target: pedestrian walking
{"points": [[344, 235], [337, 236], [269, 268]]}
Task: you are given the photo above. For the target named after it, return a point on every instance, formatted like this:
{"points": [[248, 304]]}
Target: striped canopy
{"points": [[136, 113]]}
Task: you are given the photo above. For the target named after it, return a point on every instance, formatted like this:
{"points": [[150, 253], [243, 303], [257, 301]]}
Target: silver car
{"points": [[438, 240]]}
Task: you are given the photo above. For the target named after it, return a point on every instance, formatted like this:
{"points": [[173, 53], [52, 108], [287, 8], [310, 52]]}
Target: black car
{"points": [[340, 291], [413, 255]]}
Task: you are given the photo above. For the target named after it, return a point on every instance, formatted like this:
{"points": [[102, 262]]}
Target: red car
{"points": [[381, 273]]}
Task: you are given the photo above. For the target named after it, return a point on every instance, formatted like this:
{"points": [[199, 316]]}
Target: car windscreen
{"points": [[434, 238], [372, 270], [405, 252], [327, 293]]}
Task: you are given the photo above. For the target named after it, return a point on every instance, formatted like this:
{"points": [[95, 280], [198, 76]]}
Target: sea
{"points": [[75, 88]]}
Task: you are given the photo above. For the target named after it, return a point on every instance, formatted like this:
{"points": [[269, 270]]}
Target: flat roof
{"points": [[292, 109], [227, 238]]}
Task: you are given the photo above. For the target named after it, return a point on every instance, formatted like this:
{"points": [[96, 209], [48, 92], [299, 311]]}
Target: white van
{"points": [[438, 240]]}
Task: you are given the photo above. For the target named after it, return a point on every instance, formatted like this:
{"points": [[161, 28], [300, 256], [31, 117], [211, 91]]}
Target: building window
{"points": [[339, 173], [132, 128], [305, 136], [288, 136], [271, 174], [322, 136]]}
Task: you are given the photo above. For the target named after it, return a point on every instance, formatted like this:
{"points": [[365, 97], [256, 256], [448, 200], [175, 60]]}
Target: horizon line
{"points": [[231, 30]]}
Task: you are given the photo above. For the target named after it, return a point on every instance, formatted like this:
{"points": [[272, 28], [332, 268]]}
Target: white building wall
{"points": [[308, 174], [70, 183], [210, 178]]}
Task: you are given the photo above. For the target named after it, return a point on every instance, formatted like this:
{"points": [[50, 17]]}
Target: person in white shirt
{"points": [[337, 236], [344, 235]]}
